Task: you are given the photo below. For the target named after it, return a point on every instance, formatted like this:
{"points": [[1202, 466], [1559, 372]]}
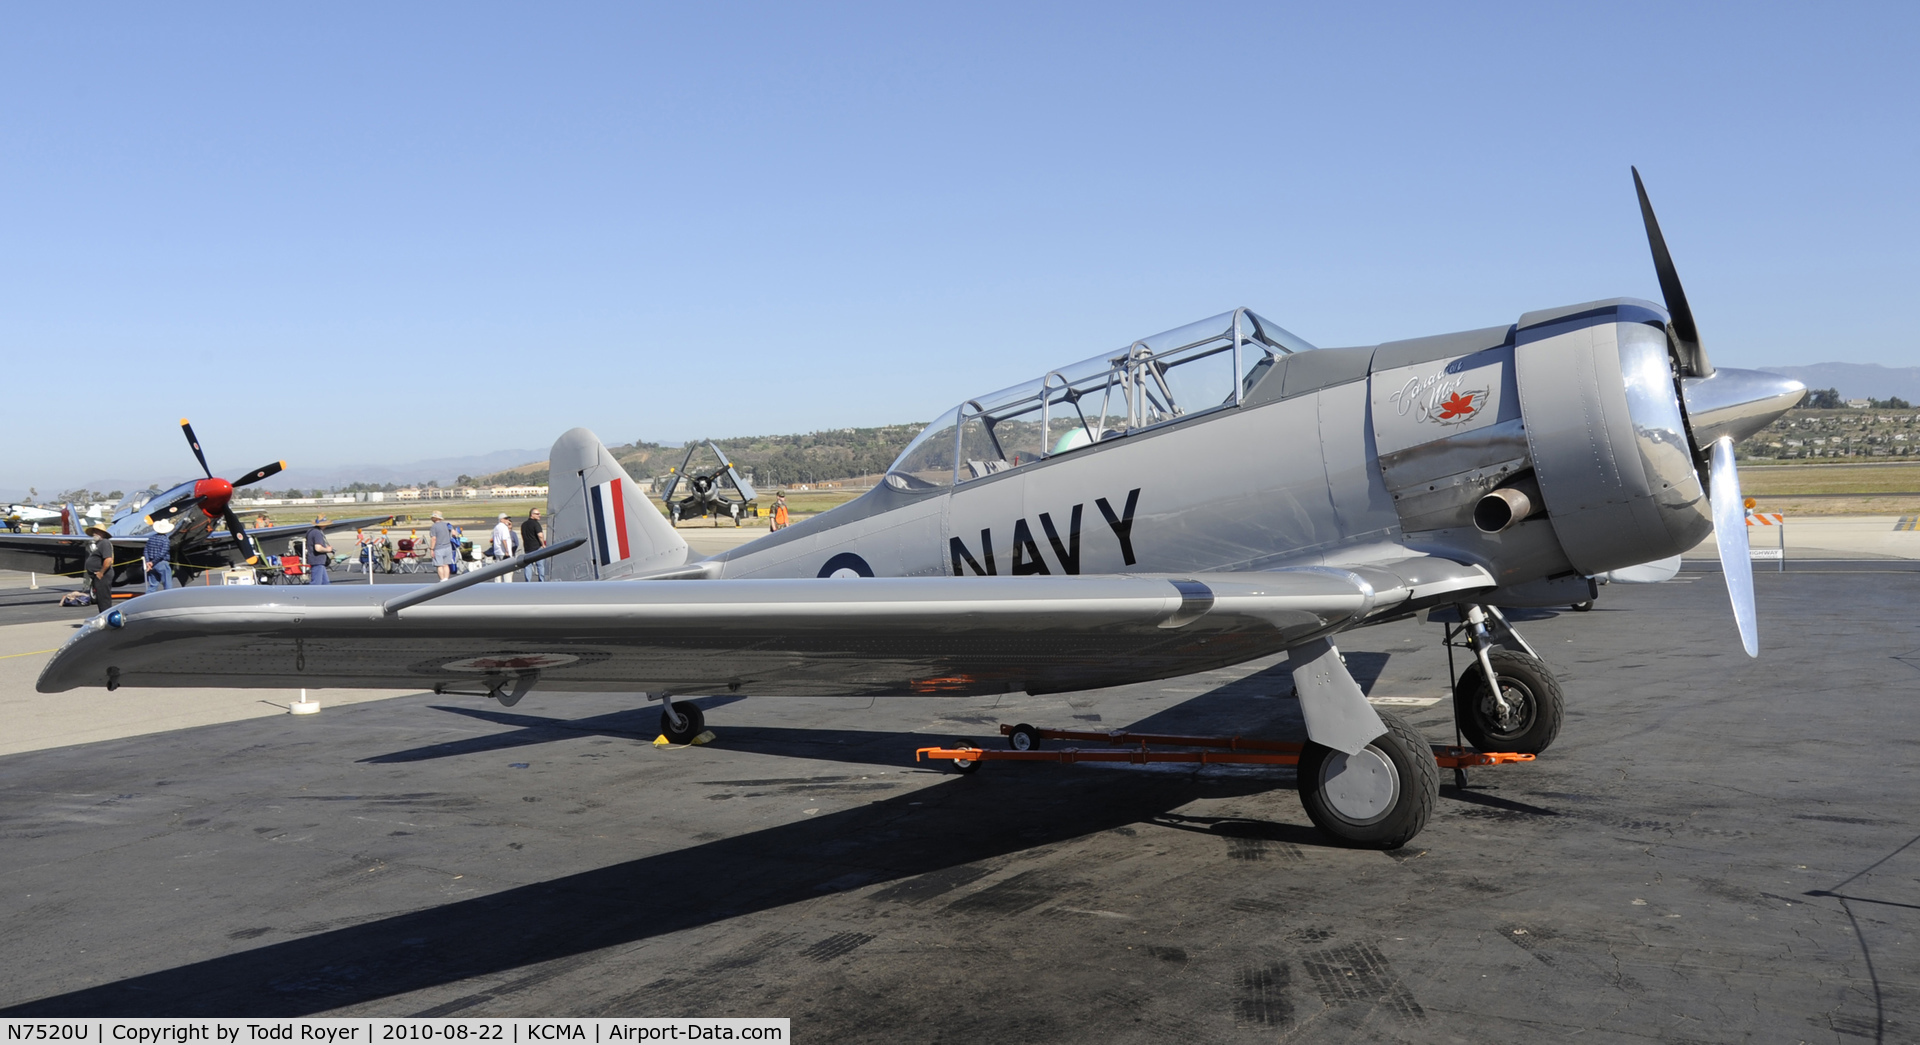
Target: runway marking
{"points": [[35, 653], [1404, 702]]}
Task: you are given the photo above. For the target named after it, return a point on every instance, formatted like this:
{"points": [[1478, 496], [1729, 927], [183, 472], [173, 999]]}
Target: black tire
{"points": [[696, 723], [1538, 708], [964, 765], [1024, 738], [1372, 817], [1582, 607]]}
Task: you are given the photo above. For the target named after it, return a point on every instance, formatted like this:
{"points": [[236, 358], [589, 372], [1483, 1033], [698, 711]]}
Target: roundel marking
{"points": [[846, 564], [511, 662]]}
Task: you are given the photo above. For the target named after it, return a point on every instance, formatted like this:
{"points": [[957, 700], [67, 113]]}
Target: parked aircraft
{"points": [[29, 515], [707, 492], [1206, 496], [194, 507]]}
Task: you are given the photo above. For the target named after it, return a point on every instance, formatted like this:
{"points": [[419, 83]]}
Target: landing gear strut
{"points": [[681, 721], [1506, 700]]}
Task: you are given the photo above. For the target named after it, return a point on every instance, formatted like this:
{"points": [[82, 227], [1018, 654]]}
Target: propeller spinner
{"points": [[1723, 406]]}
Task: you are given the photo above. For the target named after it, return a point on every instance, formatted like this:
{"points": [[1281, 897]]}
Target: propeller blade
{"points": [[259, 473], [1730, 532], [235, 527], [1684, 330], [174, 509], [195, 443]]}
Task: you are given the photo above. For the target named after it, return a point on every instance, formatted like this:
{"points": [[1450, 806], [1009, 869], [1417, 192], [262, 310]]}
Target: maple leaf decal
{"points": [[1457, 405]]}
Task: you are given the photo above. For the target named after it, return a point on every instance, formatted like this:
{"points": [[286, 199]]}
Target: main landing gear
{"points": [[681, 721], [1380, 797], [1523, 710]]}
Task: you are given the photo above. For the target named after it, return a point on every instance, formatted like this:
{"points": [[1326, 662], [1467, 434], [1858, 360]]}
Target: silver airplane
{"points": [[1214, 494]]}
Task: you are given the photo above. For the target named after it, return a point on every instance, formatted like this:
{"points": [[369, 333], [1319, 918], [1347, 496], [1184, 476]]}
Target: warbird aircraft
{"points": [[194, 507], [1203, 497], [707, 494]]}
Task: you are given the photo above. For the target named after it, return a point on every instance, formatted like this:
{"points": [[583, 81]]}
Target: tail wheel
{"points": [[1533, 706], [1378, 798], [695, 723]]}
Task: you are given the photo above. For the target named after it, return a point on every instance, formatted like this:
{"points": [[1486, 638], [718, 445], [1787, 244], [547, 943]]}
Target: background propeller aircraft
{"points": [[707, 493], [29, 515], [1207, 496], [194, 508]]}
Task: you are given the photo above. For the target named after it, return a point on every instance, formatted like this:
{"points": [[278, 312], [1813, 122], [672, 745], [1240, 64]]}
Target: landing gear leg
{"points": [[1520, 711], [1507, 626], [680, 720]]}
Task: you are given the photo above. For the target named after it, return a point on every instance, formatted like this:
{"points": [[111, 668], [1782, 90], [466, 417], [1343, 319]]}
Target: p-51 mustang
{"points": [[194, 507], [1207, 496]]}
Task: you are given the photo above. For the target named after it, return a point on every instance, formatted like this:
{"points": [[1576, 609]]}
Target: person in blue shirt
{"points": [[155, 555], [319, 552]]}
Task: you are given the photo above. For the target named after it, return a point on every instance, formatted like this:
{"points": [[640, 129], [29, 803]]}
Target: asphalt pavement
{"points": [[1717, 849]]}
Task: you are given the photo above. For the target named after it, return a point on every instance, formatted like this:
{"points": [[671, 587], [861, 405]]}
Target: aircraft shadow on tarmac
{"points": [[906, 840], [1223, 710]]}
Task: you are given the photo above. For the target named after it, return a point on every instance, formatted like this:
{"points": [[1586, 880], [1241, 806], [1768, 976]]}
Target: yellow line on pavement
{"points": [[35, 653]]}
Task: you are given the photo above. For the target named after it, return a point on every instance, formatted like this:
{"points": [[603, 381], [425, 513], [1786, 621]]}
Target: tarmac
{"points": [[1717, 849]]}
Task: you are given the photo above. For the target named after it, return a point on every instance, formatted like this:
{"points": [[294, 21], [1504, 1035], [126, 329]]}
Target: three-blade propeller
{"points": [[1716, 464]]}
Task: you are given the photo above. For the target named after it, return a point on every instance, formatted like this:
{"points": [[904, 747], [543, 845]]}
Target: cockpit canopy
{"points": [[1195, 369]]}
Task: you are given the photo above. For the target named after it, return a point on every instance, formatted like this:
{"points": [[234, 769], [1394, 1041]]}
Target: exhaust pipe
{"points": [[1506, 507]]}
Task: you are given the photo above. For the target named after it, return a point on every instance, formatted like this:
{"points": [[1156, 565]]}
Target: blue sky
{"points": [[382, 233]]}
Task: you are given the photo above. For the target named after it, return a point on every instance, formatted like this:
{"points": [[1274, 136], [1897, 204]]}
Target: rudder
{"points": [[589, 494]]}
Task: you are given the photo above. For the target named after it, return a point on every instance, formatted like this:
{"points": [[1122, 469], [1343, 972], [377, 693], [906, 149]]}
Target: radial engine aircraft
{"points": [[707, 493], [193, 506], [1203, 497]]}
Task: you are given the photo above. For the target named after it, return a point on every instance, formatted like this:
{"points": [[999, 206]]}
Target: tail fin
{"points": [[589, 494]]}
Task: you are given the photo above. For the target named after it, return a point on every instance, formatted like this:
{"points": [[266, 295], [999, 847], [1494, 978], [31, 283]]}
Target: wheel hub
{"points": [[1511, 711], [1360, 788]]}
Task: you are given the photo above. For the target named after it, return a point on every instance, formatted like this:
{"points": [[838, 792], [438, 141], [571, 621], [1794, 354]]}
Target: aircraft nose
{"points": [[1737, 403]]}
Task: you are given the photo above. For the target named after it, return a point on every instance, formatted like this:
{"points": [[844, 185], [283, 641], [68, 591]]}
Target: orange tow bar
{"points": [[1239, 750]]}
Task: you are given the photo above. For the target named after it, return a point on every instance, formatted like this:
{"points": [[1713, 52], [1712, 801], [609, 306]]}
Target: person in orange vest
{"points": [[780, 511]]}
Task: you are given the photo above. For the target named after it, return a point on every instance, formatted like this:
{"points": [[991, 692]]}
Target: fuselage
{"points": [[1330, 455]]}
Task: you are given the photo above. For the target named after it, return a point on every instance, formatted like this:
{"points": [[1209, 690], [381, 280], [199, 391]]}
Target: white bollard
{"points": [[303, 706], [33, 582]]}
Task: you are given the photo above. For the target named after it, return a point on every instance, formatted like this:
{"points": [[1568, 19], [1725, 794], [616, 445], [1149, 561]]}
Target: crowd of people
{"points": [[444, 545]]}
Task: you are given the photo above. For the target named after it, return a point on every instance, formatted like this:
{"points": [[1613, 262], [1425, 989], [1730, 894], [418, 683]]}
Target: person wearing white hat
{"points": [[503, 544], [100, 566], [440, 543], [154, 557]]}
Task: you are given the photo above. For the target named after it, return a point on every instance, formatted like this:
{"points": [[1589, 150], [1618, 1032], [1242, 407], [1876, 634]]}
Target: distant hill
{"points": [[775, 460], [1857, 380]]}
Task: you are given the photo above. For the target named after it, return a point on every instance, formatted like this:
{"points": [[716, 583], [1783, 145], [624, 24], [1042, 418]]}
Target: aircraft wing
{"points": [[60, 554], [281, 533], [849, 637]]}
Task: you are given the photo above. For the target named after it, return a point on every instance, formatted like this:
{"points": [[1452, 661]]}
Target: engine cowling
{"points": [[1613, 447]]}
